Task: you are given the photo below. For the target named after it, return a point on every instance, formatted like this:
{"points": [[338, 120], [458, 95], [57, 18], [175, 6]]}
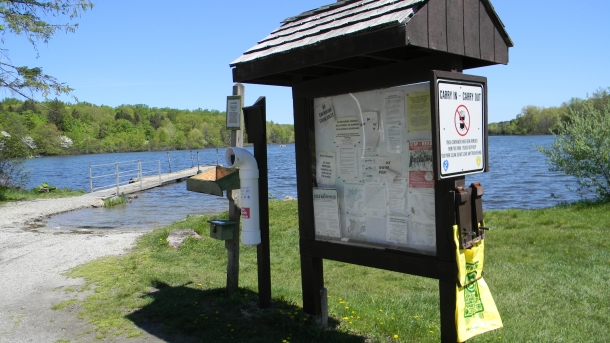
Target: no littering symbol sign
{"points": [[461, 128], [462, 120]]}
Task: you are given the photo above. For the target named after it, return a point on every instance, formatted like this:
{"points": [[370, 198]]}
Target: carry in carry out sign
{"points": [[461, 127]]}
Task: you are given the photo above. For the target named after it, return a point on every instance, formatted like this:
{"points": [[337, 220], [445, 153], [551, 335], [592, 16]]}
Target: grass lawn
{"points": [[18, 194], [548, 270]]}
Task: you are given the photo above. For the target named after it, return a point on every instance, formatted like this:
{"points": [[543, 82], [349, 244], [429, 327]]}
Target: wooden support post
{"points": [[445, 202], [312, 275], [257, 135], [312, 271], [445, 219], [232, 245], [263, 253], [448, 304]]}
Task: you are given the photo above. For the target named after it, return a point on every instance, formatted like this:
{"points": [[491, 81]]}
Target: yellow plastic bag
{"points": [[476, 311], [470, 261]]}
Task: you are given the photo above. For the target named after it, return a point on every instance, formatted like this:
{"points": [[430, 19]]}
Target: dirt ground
{"points": [[34, 258]]}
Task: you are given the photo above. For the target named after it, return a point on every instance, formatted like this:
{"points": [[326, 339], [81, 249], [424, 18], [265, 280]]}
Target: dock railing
{"points": [[110, 175]]}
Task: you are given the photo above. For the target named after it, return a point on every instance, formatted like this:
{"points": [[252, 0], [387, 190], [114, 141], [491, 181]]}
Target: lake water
{"points": [[518, 178]]}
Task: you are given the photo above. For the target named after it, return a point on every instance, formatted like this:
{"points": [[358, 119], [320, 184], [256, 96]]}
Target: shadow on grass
{"points": [[188, 314]]}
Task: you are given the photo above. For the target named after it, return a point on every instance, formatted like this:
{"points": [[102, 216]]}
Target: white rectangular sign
{"points": [[461, 124], [234, 112]]}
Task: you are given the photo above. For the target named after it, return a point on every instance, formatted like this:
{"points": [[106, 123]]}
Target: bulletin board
{"points": [[374, 182]]}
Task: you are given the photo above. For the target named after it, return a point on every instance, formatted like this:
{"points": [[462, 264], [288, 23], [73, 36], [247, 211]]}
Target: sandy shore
{"points": [[32, 263]]}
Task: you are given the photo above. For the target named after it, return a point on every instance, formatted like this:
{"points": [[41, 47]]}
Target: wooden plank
{"points": [[471, 28], [394, 260], [501, 49], [417, 70], [417, 28], [486, 35], [455, 27], [437, 24], [321, 53]]}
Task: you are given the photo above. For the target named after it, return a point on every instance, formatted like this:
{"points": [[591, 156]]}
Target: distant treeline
{"points": [[534, 120], [58, 128]]}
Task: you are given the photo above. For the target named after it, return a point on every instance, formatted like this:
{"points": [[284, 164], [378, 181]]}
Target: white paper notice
{"points": [[325, 114], [233, 112], [348, 162], [325, 169], [392, 176], [347, 130], [394, 109], [370, 127], [353, 195], [389, 167], [381, 169], [421, 205], [397, 230], [326, 212], [375, 202], [356, 226], [397, 199], [370, 170], [394, 138], [422, 234]]}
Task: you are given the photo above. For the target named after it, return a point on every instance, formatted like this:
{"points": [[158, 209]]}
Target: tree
{"points": [[27, 18], [12, 153], [582, 148], [56, 112]]}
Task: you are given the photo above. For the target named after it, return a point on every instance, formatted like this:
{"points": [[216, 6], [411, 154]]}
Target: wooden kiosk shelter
{"points": [[362, 46]]}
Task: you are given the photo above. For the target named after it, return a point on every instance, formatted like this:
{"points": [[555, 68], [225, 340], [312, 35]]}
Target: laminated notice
{"points": [[326, 208]]}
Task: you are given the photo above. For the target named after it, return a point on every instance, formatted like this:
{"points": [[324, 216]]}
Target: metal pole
{"points": [[117, 177], [198, 171], [90, 179], [169, 162], [140, 173]]}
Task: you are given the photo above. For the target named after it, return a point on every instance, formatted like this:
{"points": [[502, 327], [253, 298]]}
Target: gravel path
{"points": [[32, 263], [15, 215]]}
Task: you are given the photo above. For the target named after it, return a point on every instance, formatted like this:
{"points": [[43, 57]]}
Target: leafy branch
{"points": [[27, 18]]}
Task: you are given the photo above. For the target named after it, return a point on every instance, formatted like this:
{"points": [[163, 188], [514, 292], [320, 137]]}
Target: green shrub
{"points": [[582, 148]]}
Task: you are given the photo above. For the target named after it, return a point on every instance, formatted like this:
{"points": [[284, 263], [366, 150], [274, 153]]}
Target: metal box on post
{"points": [[221, 229], [214, 181]]}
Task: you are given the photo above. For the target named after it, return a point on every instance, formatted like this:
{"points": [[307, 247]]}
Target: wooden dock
{"points": [[149, 182]]}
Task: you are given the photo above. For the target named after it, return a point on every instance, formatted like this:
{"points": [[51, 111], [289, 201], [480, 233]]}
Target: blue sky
{"points": [[177, 54]]}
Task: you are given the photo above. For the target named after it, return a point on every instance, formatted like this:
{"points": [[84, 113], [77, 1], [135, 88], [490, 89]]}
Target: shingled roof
{"points": [[332, 21], [427, 24]]}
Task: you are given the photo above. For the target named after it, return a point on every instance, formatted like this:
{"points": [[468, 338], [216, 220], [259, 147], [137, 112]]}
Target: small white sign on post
{"points": [[234, 105], [461, 125]]}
